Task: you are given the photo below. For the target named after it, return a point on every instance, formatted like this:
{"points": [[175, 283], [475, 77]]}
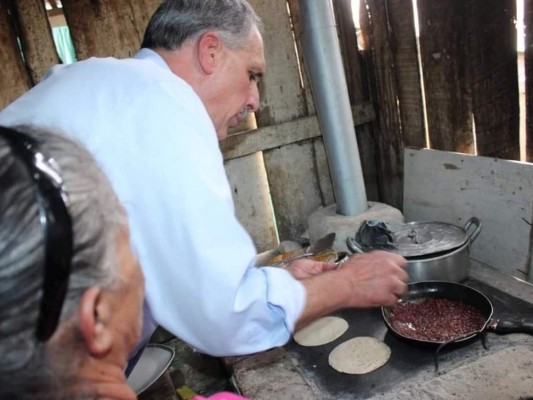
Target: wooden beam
{"points": [[273, 136], [270, 137]]}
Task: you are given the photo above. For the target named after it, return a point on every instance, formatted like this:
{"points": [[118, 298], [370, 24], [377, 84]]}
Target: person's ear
{"points": [[209, 49], [94, 316]]}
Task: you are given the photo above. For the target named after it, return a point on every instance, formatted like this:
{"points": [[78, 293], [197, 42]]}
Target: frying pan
{"points": [[420, 291]]}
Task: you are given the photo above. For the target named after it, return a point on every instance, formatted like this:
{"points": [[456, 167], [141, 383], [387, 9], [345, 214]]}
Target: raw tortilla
{"points": [[359, 355], [321, 331]]}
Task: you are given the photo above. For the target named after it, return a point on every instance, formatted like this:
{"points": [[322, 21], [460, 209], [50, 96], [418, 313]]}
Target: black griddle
{"points": [[407, 361]]}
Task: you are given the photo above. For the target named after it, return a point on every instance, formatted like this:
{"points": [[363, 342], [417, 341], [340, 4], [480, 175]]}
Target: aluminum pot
{"points": [[452, 265]]}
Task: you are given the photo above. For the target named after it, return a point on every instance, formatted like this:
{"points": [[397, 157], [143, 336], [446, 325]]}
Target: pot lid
{"points": [[415, 239]]}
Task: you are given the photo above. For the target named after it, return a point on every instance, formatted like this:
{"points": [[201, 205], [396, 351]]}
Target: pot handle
{"points": [[353, 246], [473, 221], [504, 327]]}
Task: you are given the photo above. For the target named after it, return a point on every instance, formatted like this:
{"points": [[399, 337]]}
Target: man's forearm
{"points": [[326, 293]]}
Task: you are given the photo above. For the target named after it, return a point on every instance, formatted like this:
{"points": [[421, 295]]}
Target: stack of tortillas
{"points": [[359, 355]]}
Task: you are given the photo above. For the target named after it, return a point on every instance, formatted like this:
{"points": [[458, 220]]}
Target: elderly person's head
{"points": [[217, 48], [70, 288]]}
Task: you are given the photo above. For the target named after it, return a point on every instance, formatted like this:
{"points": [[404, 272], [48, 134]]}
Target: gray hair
{"points": [[176, 21], [25, 369]]}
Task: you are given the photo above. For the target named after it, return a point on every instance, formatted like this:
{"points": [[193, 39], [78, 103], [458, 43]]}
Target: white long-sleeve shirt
{"points": [[152, 136]]}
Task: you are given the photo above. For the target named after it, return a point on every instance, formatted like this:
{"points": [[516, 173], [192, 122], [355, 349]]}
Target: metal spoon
{"points": [[322, 244]]}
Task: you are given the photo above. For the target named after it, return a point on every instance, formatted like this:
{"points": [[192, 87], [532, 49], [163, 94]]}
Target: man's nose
{"points": [[254, 101]]}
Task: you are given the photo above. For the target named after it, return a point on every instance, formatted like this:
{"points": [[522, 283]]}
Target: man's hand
{"points": [[377, 278], [304, 267], [364, 280]]}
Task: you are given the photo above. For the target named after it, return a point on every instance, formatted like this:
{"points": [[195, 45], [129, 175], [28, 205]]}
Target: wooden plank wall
{"points": [[492, 76], [470, 83], [35, 32], [107, 28], [293, 180], [528, 60], [279, 172], [14, 79], [391, 55], [356, 77], [448, 97], [469, 60]]}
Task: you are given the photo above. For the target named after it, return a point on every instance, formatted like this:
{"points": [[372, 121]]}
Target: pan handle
{"points": [[504, 327], [473, 221]]}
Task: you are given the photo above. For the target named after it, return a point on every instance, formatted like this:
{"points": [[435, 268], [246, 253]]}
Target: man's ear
{"points": [[94, 318], [209, 49]]}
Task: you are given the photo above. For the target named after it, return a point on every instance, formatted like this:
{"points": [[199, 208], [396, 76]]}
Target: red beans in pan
{"points": [[436, 320]]}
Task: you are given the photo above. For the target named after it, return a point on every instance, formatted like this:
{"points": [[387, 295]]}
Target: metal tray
{"points": [[153, 363]]}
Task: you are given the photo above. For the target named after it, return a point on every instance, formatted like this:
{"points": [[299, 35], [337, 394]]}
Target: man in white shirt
{"points": [[153, 123]]}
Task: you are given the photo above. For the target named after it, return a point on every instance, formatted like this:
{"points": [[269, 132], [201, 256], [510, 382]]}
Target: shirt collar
{"points": [[148, 54]]}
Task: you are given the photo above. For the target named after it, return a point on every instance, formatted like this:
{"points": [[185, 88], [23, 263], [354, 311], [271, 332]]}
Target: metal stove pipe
{"points": [[323, 62]]}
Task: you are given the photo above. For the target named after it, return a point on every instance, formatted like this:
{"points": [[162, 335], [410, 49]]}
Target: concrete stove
{"points": [[505, 371]]}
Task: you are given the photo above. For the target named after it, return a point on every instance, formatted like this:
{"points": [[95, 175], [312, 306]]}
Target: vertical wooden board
{"points": [[324, 176], [353, 67], [388, 135], [357, 81], [14, 79], [451, 187], [107, 28], [402, 25], [492, 71], [253, 206], [294, 11], [282, 98], [366, 139], [36, 38], [447, 94], [292, 176], [367, 154], [528, 60]]}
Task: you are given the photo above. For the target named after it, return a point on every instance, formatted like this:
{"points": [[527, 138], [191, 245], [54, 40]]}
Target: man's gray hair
{"points": [[176, 21], [26, 370]]}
